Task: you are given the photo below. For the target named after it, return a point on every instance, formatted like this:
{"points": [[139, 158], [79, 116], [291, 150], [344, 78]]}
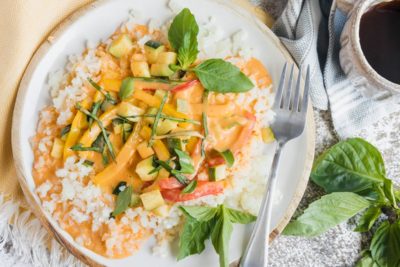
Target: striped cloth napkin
{"points": [[311, 30]]}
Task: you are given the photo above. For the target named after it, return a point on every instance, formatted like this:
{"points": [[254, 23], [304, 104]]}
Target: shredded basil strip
{"points": [[107, 95], [190, 187], [79, 147], [157, 119]]}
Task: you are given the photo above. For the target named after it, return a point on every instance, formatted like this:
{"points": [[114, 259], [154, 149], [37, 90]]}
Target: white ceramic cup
{"points": [[352, 58]]}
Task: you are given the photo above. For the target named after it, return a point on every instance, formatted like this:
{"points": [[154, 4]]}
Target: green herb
{"points": [[327, 212], [95, 109], [185, 162], [228, 157], [223, 77], [203, 222], [176, 174], [65, 130], [127, 88], [190, 187], [123, 201], [103, 130], [107, 95], [351, 166], [117, 189], [79, 147], [356, 168], [162, 116], [182, 36], [88, 163], [157, 119]]}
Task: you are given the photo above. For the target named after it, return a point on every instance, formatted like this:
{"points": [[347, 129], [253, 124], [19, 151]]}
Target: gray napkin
{"points": [[310, 30]]}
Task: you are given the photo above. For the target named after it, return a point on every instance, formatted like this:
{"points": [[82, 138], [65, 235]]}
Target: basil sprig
{"points": [[202, 223], [215, 74], [353, 172]]}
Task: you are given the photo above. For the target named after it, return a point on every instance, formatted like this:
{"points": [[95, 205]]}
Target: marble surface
{"points": [[339, 246]]}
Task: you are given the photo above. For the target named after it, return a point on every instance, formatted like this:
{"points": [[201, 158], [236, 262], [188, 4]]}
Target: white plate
{"points": [[97, 22]]}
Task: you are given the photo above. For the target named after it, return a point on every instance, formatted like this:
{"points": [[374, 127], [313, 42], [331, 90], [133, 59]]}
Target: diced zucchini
{"points": [[267, 135], [152, 50], [126, 109], [152, 200], [144, 150], [127, 88], [166, 126], [176, 143], [167, 58], [160, 93], [182, 105], [58, 148], [162, 211], [143, 169], [135, 200], [140, 69], [161, 70], [121, 46], [151, 111], [217, 173]]}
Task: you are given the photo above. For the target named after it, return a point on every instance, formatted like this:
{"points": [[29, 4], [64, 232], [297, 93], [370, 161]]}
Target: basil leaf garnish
{"points": [[182, 36], [385, 244], [190, 187], [368, 219], [185, 162], [123, 201], [223, 77], [327, 212], [200, 213]]}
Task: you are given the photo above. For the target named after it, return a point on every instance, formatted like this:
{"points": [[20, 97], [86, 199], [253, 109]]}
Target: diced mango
{"points": [[152, 200], [144, 150], [161, 150], [58, 147], [111, 84]]}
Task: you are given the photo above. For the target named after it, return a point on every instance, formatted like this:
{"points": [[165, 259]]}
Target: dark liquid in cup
{"points": [[380, 39]]}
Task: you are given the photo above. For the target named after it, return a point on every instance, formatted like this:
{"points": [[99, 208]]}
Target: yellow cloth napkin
{"points": [[23, 26]]}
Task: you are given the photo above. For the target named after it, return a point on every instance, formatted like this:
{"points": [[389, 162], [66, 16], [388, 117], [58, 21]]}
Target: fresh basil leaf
{"points": [[79, 147], [127, 88], [237, 216], [368, 219], [180, 177], [385, 245], [327, 212], [228, 157], [223, 77], [190, 187], [123, 201], [192, 237], [220, 236], [117, 189], [389, 192], [349, 166], [185, 162], [200, 213], [366, 260], [94, 110], [182, 36]]}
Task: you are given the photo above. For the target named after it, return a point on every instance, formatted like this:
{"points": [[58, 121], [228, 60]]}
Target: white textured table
{"points": [[340, 246]]}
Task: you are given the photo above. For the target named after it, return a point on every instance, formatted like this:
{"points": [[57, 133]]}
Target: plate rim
{"points": [[45, 45]]}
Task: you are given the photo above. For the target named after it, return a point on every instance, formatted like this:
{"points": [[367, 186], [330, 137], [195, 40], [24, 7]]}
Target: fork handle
{"points": [[255, 255]]}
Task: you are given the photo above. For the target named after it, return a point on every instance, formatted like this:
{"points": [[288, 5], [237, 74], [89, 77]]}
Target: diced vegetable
{"points": [[110, 85], [166, 126], [126, 109], [176, 143], [161, 70], [152, 200], [144, 169], [162, 211], [106, 106], [144, 150], [167, 58], [154, 84], [202, 189], [267, 135], [58, 147], [182, 106], [138, 57], [169, 183], [135, 200], [161, 150], [127, 88], [140, 69], [121, 46], [152, 50], [217, 173]]}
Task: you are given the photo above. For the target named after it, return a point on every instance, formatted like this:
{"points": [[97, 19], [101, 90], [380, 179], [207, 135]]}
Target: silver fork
{"points": [[291, 110]]}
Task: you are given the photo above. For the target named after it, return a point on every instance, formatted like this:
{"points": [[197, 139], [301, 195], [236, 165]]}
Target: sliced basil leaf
{"points": [[123, 201], [95, 109], [366, 260], [389, 192], [107, 95], [385, 244], [127, 88], [79, 147], [180, 177], [223, 77], [241, 217], [185, 162], [352, 166], [65, 130], [117, 189], [220, 236], [200, 213], [190, 187], [368, 219], [327, 212]]}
